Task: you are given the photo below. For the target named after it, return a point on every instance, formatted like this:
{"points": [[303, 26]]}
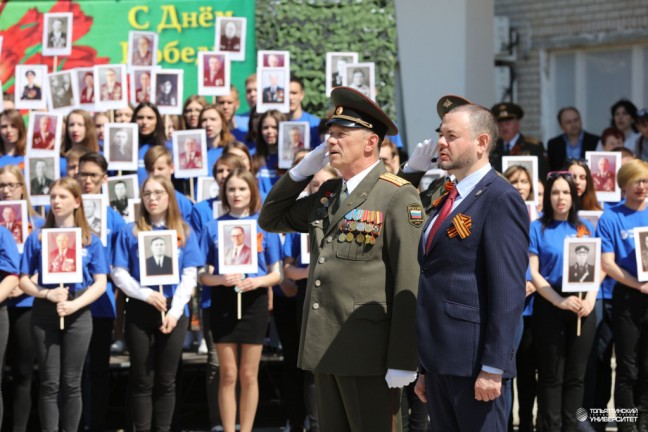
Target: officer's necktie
{"points": [[343, 193], [443, 214]]}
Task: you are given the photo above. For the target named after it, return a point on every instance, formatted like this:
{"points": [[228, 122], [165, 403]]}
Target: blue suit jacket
{"points": [[472, 290]]}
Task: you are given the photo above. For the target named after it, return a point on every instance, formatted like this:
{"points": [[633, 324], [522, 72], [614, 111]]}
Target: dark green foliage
{"points": [[311, 28]]}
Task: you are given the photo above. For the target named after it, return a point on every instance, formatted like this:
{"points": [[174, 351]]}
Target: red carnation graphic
{"points": [[23, 42]]}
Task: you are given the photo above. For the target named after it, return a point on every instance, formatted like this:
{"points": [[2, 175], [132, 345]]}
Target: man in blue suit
{"points": [[472, 283]]}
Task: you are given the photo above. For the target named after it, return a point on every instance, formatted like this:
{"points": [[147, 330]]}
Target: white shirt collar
{"points": [[354, 181]]}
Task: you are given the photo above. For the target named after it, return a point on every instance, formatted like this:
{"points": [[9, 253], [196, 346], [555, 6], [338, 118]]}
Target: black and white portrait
{"points": [[57, 34]]}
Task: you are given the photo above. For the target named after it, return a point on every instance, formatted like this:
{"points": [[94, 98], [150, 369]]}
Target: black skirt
{"points": [[251, 328]]}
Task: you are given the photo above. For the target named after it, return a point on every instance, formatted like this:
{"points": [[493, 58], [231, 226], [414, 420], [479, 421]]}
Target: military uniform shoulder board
{"points": [[393, 178], [532, 140]]}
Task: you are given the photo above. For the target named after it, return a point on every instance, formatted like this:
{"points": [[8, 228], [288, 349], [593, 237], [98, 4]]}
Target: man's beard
{"points": [[463, 161]]}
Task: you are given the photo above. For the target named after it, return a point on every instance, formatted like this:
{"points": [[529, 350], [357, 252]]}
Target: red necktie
{"points": [[443, 214]]}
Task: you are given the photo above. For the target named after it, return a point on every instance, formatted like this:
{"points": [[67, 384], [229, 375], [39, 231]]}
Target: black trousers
{"points": [[154, 358], [4, 337], [562, 360], [598, 378], [61, 354], [96, 373], [526, 364], [630, 325], [414, 411], [21, 356]]}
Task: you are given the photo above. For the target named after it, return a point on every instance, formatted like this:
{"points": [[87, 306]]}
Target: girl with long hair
{"points": [[213, 120], [150, 128], [191, 110], [13, 138], [239, 342], [561, 353], [154, 340], [266, 157], [584, 185], [80, 130], [61, 352]]}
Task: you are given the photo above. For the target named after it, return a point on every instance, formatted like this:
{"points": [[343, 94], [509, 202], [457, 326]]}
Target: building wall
{"points": [[565, 24]]}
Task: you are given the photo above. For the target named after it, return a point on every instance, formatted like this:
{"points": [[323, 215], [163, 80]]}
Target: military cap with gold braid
{"points": [[355, 110], [507, 111]]}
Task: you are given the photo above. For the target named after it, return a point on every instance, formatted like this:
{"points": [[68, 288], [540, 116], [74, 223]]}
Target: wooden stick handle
{"points": [[578, 323], [61, 319], [162, 312], [239, 300]]}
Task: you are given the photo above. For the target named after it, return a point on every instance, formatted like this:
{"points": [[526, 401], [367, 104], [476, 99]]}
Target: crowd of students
{"points": [[111, 306]]}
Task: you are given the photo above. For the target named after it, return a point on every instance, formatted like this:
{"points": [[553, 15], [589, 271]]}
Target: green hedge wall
{"points": [[311, 28]]}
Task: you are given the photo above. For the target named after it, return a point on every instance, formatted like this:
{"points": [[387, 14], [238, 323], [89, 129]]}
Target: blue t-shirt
{"points": [[185, 205], [9, 256], [292, 248], [19, 161], [548, 245], [93, 261], [528, 302], [201, 215], [24, 300], [616, 229], [270, 254], [141, 170], [104, 306], [269, 173], [213, 154], [126, 255]]}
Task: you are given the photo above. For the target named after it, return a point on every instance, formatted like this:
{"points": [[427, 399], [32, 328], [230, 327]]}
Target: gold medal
{"points": [[342, 238], [349, 237], [360, 238], [373, 240], [368, 239], [368, 228], [354, 225]]}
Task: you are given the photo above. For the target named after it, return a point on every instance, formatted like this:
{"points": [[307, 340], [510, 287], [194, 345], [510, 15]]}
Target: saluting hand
{"points": [[488, 386], [312, 162], [423, 157]]}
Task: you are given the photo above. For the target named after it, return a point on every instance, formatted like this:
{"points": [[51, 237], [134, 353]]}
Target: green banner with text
{"points": [[100, 34]]}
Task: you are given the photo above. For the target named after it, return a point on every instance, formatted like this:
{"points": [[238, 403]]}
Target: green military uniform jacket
{"points": [[359, 311]]}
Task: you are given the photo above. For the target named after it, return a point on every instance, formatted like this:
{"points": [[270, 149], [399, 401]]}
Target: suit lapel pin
{"points": [[478, 192]]}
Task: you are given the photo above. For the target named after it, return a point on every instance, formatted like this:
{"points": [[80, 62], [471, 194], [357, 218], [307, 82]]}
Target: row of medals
{"points": [[363, 226]]}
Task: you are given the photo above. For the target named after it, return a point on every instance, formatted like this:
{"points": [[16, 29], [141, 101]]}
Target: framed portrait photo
{"points": [[213, 73], [85, 84], [293, 136], [95, 209], [57, 34], [273, 86], [230, 37], [273, 59], [237, 246], [217, 209], [336, 63], [592, 216], [61, 256], [604, 167], [13, 216], [207, 188], [169, 90], [134, 205], [429, 177], [110, 87], [304, 249], [62, 91], [361, 77], [29, 90], [142, 48], [158, 257], [523, 165], [142, 85], [190, 153], [119, 189], [581, 264], [641, 252], [40, 173], [121, 146], [44, 132]]}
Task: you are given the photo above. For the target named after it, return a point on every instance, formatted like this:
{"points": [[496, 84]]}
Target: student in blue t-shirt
{"points": [[297, 112], [266, 157], [9, 263], [156, 322], [150, 128], [20, 353], [241, 199], [562, 355], [213, 120], [13, 138], [61, 352], [629, 301], [91, 176]]}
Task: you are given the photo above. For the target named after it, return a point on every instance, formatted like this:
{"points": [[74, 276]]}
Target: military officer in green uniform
{"points": [[358, 333], [511, 142]]}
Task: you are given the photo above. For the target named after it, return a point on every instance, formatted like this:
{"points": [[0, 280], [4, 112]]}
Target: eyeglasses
{"points": [[85, 175], [643, 182], [553, 174], [10, 186], [153, 195]]}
